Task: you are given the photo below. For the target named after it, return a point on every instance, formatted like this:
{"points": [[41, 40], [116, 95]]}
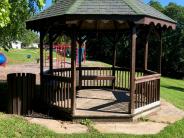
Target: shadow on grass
{"points": [[174, 88]]}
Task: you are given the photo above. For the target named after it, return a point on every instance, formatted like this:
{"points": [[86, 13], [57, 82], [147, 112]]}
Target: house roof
{"points": [[129, 8]]}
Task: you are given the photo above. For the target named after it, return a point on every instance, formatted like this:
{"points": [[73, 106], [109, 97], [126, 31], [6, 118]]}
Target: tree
{"points": [[4, 13], [13, 14], [173, 49], [29, 38], [156, 5], [5, 7], [173, 40]]}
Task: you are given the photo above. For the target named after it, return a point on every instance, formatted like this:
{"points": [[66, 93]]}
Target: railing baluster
{"points": [[94, 82], [64, 94], [68, 97], [138, 92], [154, 91], [103, 71], [151, 101], [118, 78]]}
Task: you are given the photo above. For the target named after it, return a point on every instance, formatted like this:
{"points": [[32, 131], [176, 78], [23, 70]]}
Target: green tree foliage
{"points": [[156, 5], [13, 14], [4, 13], [29, 38], [173, 40], [54, 1]]}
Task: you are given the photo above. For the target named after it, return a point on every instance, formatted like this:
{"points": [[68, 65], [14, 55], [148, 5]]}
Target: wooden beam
{"points": [[80, 63], [51, 52], [42, 34], [114, 60], [73, 71], [160, 54], [132, 69], [146, 55], [147, 78], [146, 46], [98, 78]]}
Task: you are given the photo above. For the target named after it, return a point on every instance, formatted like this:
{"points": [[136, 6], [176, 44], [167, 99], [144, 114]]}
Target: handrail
{"points": [[97, 77], [61, 69], [96, 68], [151, 72], [58, 78], [147, 78]]}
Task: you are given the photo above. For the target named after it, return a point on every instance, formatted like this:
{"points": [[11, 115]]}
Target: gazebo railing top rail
{"points": [[99, 68]]}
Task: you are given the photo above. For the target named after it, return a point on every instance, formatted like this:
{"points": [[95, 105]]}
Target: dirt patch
{"points": [[20, 68]]}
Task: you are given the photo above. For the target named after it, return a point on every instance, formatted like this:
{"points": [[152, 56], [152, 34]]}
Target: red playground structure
{"points": [[62, 52]]}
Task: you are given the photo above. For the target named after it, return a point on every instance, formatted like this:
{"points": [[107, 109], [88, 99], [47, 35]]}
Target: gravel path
{"points": [[21, 68]]}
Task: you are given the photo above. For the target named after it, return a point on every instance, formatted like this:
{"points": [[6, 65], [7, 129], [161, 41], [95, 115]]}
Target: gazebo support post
{"points": [[146, 55], [50, 53], [73, 72], [114, 61], [80, 63], [159, 62], [160, 53], [132, 70], [42, 34], [146, 49]]}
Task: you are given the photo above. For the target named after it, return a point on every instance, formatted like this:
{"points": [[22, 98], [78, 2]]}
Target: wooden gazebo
{"points": [[69, 89]]}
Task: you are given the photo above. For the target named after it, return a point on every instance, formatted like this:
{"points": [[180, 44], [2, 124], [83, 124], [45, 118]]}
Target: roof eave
{"points": [[137, 19]]}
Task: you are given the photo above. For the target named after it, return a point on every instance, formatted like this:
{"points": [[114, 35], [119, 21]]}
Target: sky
{"points": [[163, 2]]}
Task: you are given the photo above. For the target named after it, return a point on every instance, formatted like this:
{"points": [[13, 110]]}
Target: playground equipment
{"points": [[3, 59], [62, 51]]}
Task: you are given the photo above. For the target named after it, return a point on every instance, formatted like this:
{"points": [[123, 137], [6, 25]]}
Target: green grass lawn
{"points": [[13, 126], [19, 56], [171, 90]]}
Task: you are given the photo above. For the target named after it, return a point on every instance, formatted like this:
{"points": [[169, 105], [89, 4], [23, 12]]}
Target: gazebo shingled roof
{"points": [[131, 10]]}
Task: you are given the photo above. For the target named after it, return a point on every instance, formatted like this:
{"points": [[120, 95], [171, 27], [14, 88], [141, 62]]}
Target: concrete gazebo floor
{"points": [[156, 122], [102, 102]]}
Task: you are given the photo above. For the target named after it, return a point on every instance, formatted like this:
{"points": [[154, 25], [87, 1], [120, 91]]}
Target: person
{"points": [[83, 49]]}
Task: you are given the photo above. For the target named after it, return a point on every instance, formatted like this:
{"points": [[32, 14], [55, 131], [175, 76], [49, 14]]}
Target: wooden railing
{"points": [[147, 89], [100, 77], [57, 90], [63, 72], [94, 77], [57, 85], [122, 78]]}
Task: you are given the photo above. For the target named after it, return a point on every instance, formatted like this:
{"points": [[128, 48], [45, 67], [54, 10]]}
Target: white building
{"points": [[16, 45], [34, 45]]}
